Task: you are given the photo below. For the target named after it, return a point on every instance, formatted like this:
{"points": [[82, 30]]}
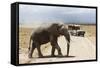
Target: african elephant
{"points": [[49, 34]]}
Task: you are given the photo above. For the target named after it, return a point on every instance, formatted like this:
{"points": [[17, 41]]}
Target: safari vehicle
{"points": [[80, 33], [75, 30]]}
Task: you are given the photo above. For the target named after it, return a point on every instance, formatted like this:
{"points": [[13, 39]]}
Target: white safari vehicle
{"points": [[75, 30]]}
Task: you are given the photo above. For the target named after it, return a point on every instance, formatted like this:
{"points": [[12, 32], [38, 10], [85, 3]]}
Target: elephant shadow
{"points": [[56, 56]]}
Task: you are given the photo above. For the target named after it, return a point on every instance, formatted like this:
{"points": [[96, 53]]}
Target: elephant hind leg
{"points": [[53, 51], [39, 50], [31, 50]]}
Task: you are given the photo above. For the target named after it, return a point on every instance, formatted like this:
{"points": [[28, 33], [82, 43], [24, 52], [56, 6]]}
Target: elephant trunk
{"points": [[67, 37]]}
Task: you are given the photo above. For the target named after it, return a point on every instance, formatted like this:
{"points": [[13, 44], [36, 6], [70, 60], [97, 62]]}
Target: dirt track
{"points": [[81, 48]]}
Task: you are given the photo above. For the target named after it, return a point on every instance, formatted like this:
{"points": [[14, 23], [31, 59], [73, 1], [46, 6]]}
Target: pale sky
{"points": [[29, 14]]}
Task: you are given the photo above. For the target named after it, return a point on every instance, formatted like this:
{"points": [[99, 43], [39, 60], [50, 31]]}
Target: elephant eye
{"points": [[58, 28]]}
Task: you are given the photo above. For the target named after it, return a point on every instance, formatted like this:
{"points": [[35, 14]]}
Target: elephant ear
{"points": [[60, 26], [54, 28], [63, 29]]}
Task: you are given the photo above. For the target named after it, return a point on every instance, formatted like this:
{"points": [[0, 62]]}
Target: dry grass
{"points": [[24, 36], [90, 30], [25, 33]]}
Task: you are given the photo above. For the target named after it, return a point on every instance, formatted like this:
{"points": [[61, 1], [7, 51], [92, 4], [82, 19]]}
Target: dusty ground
{"points": [[81, 48]]}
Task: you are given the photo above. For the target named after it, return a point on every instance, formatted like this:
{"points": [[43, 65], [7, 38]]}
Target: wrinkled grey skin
{"points": [[49, 34]]}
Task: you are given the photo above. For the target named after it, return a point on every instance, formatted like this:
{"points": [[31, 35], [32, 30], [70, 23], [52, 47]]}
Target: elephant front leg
{"points": [[59, 50], [68, 47], [56, 46]]}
